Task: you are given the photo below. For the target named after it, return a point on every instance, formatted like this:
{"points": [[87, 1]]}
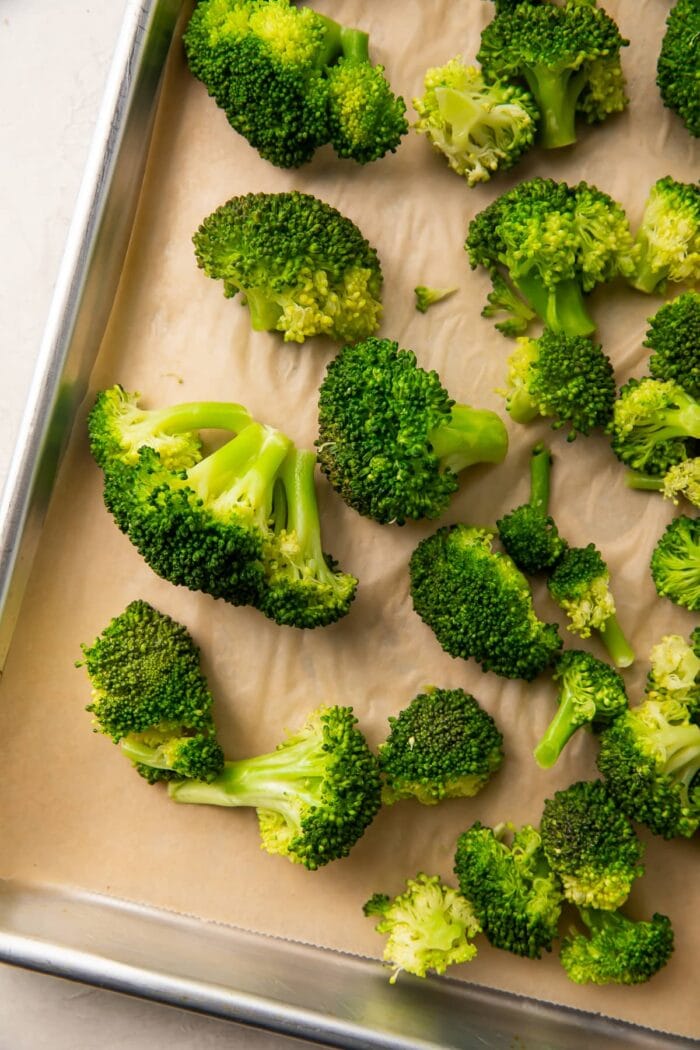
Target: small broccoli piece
{"points": [[674, 338], [503, 299], [430, 927], [591, 845], [617, 950], [528, 533], [652, 423], [303, 268], [650, 758], [514, 893], [668, 239], [443, 745], [675, 671], [479, 604], [427, 297], [391, 440], [150, 696], [682, 479], [481, 128], [315, 794], [678, 67], [553, 243], [568, 56], [366, 119], [591, 693], [566, 378], [675, 562]]}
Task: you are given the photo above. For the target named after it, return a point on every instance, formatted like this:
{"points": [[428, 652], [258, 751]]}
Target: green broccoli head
{"points": [[668, 239], [303, 268], [529, 533], [391, 440], [514, 893], [479, 604], [652, 424], [591, 693], [430, 926], [675, 562], [315, 795], [675, 671], [443, 745], [150, 696], [481, 128], [615, 949], [674, 338], [427, 297], [678, 67], [365, 118]]}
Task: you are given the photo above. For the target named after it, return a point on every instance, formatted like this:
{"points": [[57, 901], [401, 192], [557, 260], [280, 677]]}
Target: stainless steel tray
{"points": [[324, 996]]}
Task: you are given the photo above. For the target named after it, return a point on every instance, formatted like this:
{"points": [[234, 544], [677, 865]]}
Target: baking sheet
{"points": [[87, 821]]}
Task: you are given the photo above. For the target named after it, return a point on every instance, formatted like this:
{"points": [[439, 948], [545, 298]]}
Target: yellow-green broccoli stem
{"points": [[556, 96], [561, 306], [472, 435]]}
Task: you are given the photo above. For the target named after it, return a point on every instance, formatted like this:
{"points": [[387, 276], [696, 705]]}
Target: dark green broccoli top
{"points": [[678, 68], [675, 562], [617, 950], [529, 533], [674, 338]]}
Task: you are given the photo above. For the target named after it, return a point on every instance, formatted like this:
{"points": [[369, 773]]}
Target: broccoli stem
{"points": [[472, 435], [644, 482], [302, 518], [198, 415], [143, 754], [612, 637], [647, 278], [558, 732], [561, 307], [264, 312], [556, 95], [342, 42], [540, 475]]}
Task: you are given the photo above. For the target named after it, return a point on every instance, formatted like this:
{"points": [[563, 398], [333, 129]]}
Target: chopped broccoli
{"points": [[568, 56], [678, 67], [529, 533], [502, 299], [515, 895], [479, 604], [481, 128], [668, 239], [427, 297], [650, 758], [290, 80], [391, 440], [443, 745], [591, 693], [675, 671], [682, 479], [303, 268], [315, 794], [150, 696], [430, 926], [617, 950], [674, 338], [554, 243], [591, 845], [675, 562], [652, 424], [566, 378]]}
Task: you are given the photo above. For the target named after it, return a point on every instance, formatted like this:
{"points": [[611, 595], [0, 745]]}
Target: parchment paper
{"points": [[73, 810]]}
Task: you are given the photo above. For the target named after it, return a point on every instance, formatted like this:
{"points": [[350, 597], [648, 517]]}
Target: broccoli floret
{"points": [[668, 240], [591, 845], [303, 268], [565, 378], [617, 950], [675, 562], [479, 604], [650, 758], [430, 926], [150, 696], [443, 745], [529, 533], [503, 299], [674, 338], [515, 895], [290, 80], [481, 128], [315, 794], [591, 693], [675, 671], [391, 440], [682, 479], [568, 56], [554, 243], [678, 67], [652, 424], [427, 297]]}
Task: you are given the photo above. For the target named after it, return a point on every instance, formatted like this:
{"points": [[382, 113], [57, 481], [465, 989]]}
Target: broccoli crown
{"points": [[579, 584], [290, 80], [675, 671], [591, 693], [652, 423], [554, 242], [566, 378], [568, 56], [429, 926], [668, 239], [427, 297], [650, 758], [303, 268], [515, 895], [391, 440], [529, 533], [617, 950], [443, 745], [149, 694], [479, 604], [674, 337], [481, 128], [678, 67], [675, 562], [315, 794], [591, 845]]}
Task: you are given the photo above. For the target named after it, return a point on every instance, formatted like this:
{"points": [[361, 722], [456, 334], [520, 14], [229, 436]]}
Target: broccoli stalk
{"points": [[528, 533], [617, 950]]}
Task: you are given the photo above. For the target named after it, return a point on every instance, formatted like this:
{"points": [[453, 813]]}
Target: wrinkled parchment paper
{"points": [[74, 812]]}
